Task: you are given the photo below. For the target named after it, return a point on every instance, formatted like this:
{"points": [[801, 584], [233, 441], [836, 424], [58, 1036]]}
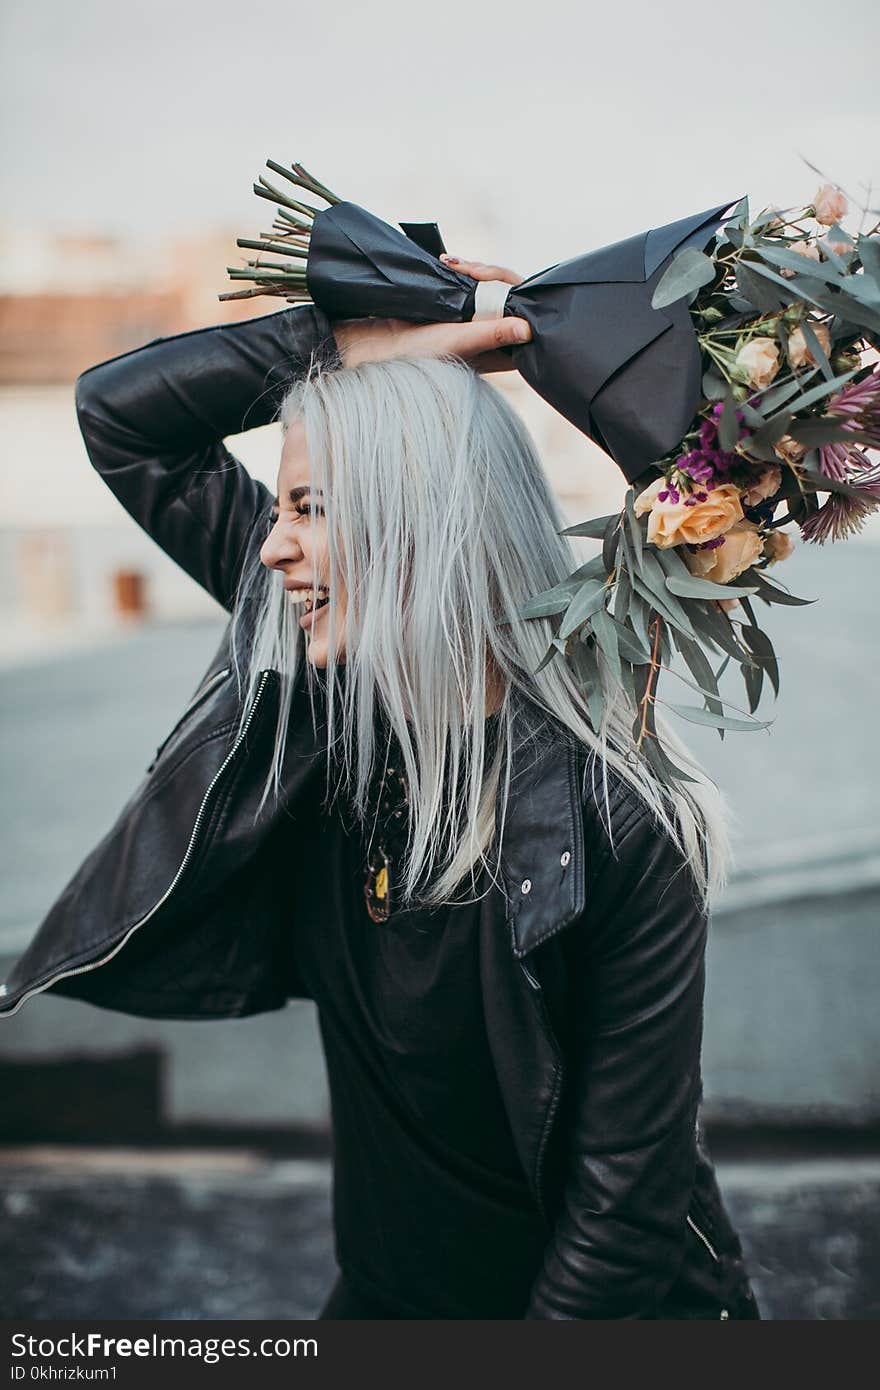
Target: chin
{"points": [[316, 653]]}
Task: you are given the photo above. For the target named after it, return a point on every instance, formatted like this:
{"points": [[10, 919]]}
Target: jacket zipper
{"points": [[557, 1089], [708, 1244], [201, 694], [93, 965]]}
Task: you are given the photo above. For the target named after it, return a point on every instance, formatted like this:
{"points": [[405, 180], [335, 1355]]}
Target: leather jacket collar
{"points": [[542, 861]]}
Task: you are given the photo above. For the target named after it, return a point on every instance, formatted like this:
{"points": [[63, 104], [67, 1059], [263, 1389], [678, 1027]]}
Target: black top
{"points": [[432, 1212]]}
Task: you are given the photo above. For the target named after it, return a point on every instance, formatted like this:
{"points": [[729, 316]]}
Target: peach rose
{"points": [[768, 481], [791, 450], [829, 205], [743, 544], [798, 352], [674, 523], [778, 545], [757, 362]]}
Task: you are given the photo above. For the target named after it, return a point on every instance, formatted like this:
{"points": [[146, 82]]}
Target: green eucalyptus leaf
{"points": [[761, 647], [771, 594], [869, 255], [714, 388], [589, 598], [689, 270], [595, 527], [546, 658], [698, 715], [799, 287], [630, 645], [654, 579], [623, 594], [589, 676], [779, 394], [850, 304], [771, 431], [792, 260], [754, 680], [728, 425], [714, 625], [604, 631], [822, 483], [658, 605], [756, 290], [693, 587], [816, 349], [640, 616], [632, 522], [827, 430], [662, 764], [610, 543], [544, 605], [816, 393]]}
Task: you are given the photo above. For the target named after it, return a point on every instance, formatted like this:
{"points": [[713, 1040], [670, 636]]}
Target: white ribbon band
{"points": [[490, 299]]}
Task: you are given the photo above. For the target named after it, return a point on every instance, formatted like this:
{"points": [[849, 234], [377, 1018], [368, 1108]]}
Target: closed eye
{"points": [[301, 510]]}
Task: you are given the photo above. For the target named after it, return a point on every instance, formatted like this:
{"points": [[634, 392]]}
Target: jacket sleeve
{"points": [[154, 420], [636, 970]]}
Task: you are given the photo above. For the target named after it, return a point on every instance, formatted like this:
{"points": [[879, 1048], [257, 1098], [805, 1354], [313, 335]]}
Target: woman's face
{"points": [[297, 543]]}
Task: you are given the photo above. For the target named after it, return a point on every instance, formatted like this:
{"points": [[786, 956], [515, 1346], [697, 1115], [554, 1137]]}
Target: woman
{"points": [[499, 913]]}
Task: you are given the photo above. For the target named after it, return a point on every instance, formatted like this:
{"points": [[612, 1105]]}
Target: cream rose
{"points": [[673, 523], [757, 362], [829, 205], [798, 352], [778, 545], [768, 481], [743, 544], [645, 500]]}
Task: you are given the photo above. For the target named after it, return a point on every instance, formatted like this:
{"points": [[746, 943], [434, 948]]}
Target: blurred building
{"points": [[73, 565]]}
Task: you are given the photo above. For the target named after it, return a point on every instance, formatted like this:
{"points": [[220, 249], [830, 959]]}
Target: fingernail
{"points": [[522, 332], [453, 259]]}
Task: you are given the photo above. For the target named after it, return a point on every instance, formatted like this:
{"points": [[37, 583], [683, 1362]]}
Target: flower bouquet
{"points": [[733, 384], [790, 409]]}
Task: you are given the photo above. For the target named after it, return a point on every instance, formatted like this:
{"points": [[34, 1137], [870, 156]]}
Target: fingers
{"points": [[478, 270], [488, 335]]}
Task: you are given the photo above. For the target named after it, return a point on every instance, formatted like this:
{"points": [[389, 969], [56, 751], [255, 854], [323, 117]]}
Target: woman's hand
{"points": [[370, 340]]}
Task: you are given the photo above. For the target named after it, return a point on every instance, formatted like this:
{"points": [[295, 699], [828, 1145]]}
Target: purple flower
{"points": [[859, 403], [708, 464], [844, 515]]}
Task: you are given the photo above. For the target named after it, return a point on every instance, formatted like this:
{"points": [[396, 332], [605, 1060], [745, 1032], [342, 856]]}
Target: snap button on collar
{"points": [[565, 858], [527, 885]]}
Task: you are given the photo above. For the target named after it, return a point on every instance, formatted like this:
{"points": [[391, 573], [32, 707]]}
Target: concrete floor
{"points": [[215, 1234]]}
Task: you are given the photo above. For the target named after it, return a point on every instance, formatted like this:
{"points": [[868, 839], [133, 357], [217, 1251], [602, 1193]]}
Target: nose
{"points": [[276, 549]]}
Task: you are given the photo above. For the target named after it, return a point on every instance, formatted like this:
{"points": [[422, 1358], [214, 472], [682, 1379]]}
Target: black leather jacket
{"points": [[596, 962]]}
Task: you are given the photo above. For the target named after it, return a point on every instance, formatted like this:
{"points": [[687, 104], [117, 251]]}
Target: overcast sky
{"points": [[558, 126]]}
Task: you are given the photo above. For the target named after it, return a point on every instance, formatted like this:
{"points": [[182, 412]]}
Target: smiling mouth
{"points": [[305, 598]]}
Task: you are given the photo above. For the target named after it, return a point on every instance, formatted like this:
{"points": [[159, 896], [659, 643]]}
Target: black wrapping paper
{"points": [[627, 375]]}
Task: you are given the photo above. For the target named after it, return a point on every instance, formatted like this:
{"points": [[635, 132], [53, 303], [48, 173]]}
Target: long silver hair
{"points": [[441, 522]]}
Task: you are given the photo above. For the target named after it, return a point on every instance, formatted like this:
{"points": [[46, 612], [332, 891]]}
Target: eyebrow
{"points": [[296, 493]]}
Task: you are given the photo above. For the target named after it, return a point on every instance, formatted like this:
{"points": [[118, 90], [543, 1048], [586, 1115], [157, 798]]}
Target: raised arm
{"points": [[637, 963], [154, 421]]}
